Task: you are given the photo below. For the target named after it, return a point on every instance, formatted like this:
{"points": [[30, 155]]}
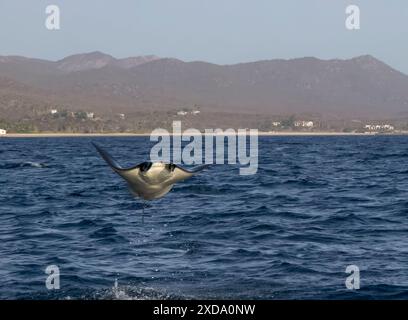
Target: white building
{"points": [[304, 124], [3, 132], [195, 112], [181, 113], [90, 115], [276, 124], [121, 116], [53, 111], [379, 127]]}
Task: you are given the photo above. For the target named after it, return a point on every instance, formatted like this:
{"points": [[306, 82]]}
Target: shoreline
{"points": [[261, 134]]}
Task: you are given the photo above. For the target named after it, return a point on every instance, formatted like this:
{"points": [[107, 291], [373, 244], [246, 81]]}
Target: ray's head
{"points": [[151, 168]]}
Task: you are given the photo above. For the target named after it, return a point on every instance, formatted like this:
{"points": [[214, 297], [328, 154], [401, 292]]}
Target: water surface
{"points": [[316, 205]]}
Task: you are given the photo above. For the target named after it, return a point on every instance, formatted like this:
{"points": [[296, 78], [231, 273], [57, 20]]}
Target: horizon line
{"points": [[368, 55]]}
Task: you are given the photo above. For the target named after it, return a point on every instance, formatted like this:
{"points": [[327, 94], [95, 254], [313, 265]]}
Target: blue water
{"points": [[316, 205]]}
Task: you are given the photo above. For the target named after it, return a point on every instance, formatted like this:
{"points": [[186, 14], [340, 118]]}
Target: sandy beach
{"points": [[148, 134], [275, 133]]}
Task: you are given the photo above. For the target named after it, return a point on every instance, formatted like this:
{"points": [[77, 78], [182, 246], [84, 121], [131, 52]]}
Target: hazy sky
{"points": [[219, 31]]}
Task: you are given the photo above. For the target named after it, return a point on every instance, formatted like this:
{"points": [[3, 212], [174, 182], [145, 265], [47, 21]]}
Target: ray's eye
{"points": [[145, 166]]}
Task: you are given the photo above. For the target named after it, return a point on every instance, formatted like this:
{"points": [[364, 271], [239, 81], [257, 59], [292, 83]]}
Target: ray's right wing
{"points": [[129, 174]]}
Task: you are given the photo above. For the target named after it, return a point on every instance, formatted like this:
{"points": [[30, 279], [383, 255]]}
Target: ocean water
{"points": [[316, 205]]}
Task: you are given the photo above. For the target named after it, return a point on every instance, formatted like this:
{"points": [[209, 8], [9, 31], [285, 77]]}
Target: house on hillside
{"points": [[3, 132], [181, 113], [379, 127], [304, 124], [53, 111], [90, 115]]}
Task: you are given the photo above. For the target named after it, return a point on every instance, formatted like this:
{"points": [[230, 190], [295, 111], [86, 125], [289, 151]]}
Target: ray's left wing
{"points": [[180, 173]]}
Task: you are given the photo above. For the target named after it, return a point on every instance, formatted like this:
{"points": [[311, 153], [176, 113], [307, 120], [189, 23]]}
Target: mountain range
{"points": [[361, 87]]}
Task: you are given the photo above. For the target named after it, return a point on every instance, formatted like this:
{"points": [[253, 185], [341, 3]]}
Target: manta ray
{"points": [[150, 180]]}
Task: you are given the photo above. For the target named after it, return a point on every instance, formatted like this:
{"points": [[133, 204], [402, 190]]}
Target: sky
{"points": [[217, 31]]}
